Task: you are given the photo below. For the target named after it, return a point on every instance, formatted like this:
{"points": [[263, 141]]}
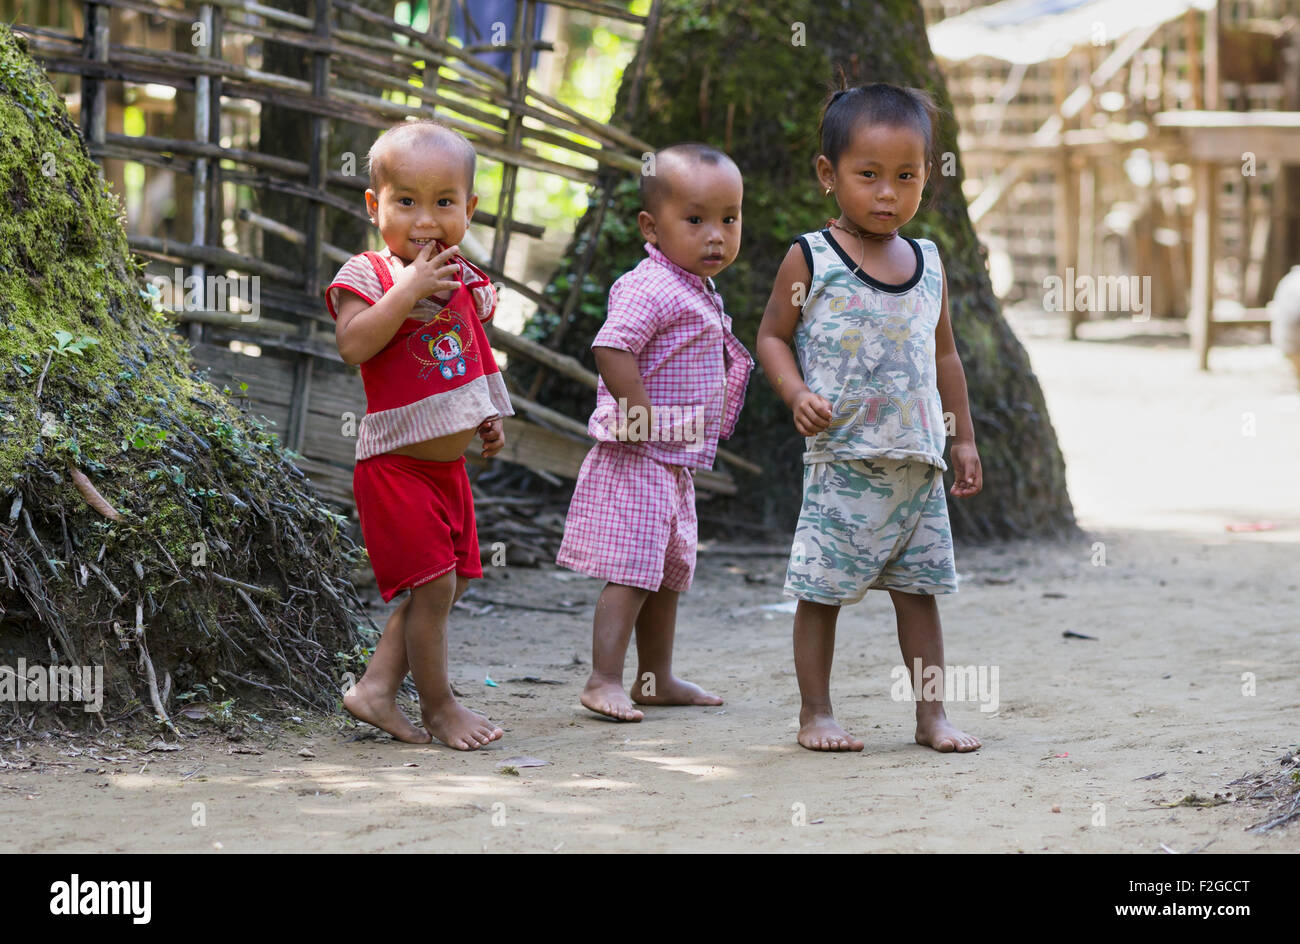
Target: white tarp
{"points": [[1029, 31]]}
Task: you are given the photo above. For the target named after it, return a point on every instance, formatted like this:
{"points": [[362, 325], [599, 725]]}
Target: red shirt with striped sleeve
{"points": [[437, 375]]}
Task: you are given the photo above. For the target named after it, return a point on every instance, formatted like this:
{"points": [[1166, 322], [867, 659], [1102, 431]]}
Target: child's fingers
{"points": [[444, 256]]}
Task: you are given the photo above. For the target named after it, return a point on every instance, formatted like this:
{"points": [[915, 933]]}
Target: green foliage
{"points": [[66, 346], [144, 436]]}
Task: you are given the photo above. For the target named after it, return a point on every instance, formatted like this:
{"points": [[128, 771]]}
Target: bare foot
{"points": [[372, 707], [456, 726], [672, 691], [609, 699], [942, 736], [819, 732]]}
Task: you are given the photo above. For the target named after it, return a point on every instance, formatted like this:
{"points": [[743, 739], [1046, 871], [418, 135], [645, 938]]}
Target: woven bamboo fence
{"points": [[394, 73]]}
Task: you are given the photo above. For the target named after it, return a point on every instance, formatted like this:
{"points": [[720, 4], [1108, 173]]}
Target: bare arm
{"points": [[363, 329], [968, 476], [622, 377], [812, 413]]}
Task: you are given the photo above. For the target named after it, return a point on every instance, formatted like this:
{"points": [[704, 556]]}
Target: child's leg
{"points": [[656, 627], [921, 637], [814, 650], [373, 698], [426, 650], [616, 615]]}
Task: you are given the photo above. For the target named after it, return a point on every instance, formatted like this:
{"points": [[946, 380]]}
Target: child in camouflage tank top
{"points": [[877, 385]]}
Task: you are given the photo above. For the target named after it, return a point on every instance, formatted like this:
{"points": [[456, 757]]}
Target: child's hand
{"points": [[812, 413], [967, 474], [493, 436], [428, 274]]}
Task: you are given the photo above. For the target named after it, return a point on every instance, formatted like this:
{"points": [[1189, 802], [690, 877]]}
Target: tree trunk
{"points": [[224, 573], [733, 74]]}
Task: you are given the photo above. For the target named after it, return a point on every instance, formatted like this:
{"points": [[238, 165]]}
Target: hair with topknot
{"points": [[877, 103]]}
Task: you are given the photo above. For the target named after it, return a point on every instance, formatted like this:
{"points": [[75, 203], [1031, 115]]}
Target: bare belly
{"points": [[440, 449]]}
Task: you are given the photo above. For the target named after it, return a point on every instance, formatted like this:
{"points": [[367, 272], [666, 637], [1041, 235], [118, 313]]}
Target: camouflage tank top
{"points": [[868, 347]]}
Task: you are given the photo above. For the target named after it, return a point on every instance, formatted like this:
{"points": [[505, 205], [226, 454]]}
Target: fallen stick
{"points": [[149, 669], [41, 382], [108, 583], [518, 606], [31, 531]]}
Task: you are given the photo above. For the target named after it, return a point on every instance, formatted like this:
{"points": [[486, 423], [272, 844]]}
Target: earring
{"points": [[828, 191]]}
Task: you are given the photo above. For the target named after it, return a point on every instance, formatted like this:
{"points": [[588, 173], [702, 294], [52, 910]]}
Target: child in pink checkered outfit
{"points": [[672, 381]]}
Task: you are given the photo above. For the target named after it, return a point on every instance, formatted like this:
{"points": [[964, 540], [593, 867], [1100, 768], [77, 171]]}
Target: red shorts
{"points": [[417, 519]]}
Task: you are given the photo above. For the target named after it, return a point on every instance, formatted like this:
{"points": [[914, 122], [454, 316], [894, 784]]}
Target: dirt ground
{"points": [[1161, 460]]}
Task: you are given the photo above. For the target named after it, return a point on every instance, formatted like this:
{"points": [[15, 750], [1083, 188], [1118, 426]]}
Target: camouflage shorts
{"points": [[871, 524]]}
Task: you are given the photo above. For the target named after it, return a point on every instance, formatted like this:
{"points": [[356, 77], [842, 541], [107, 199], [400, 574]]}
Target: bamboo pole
{"points": [[210, 255], [601, 9], [202, 122], [291, 235]]}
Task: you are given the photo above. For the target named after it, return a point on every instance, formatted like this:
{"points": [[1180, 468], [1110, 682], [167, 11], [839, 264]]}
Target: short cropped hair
{"points": [[655, 188], [414, 133]]}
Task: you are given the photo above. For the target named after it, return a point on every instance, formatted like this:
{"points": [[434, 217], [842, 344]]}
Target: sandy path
{"points": [[1181, 608]]}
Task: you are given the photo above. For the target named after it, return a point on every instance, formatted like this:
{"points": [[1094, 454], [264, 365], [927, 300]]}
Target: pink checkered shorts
{"points": [[631, 520]]}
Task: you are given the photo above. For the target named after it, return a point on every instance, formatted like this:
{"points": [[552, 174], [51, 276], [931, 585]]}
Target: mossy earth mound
{"points": [[223, 572]]}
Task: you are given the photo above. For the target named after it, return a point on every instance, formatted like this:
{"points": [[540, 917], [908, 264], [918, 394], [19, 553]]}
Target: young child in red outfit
{"points": [[412, 316]]}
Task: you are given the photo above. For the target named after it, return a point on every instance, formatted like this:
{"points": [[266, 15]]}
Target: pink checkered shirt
{"points": [[694, 369]]}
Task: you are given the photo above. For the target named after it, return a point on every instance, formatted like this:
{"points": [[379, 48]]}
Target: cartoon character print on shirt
{"points": [[443, 344], [875, 371]]}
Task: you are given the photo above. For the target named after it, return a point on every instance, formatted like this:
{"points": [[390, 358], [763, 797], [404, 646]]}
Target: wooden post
{"points": [[1203, 241], [439, 17], [202, 130], [216, 203], [1205, 217], [522, 56], [317, 178], [95, 41], [1066, 215], [1212, 96], [1191, 43], [1086, 211]]}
